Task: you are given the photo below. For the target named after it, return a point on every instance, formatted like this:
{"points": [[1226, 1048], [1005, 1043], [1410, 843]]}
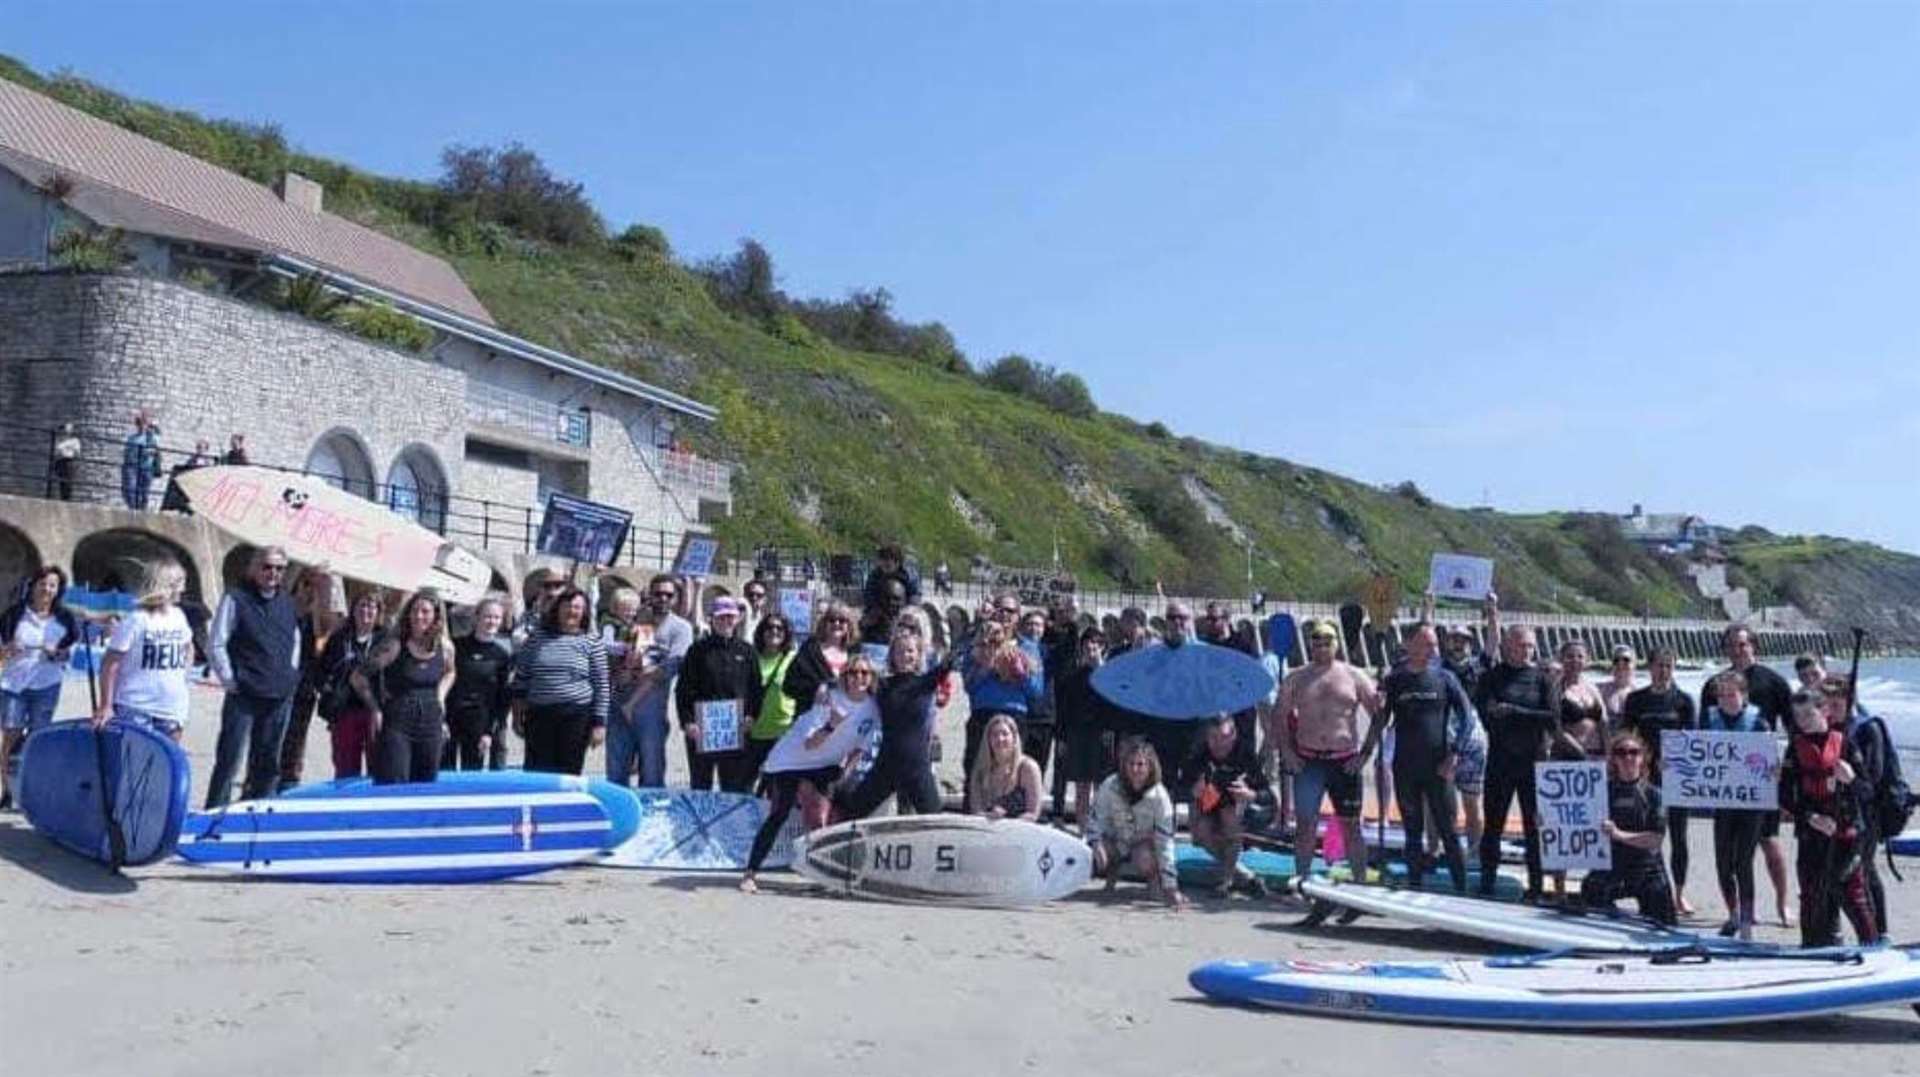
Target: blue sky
{"points": [[1558, 255]]}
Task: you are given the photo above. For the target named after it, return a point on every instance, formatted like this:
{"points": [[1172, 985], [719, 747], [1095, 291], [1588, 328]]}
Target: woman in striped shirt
{"points": [[560, 688]]}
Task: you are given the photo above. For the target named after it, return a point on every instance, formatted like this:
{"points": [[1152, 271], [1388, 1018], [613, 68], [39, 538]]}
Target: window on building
{"points": [[417, 490]]}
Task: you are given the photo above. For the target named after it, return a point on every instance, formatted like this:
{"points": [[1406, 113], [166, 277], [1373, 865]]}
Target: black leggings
{"points": [[1648, 888], [1506, 780], [1423, 796], [912, 779], [558, 735], [786, 793], [733, 770], [1736, 836], [465, 728], [408, 747], [1677, 835]]}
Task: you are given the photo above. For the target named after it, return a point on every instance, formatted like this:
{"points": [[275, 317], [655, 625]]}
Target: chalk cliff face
{"points": [[841, 446]]}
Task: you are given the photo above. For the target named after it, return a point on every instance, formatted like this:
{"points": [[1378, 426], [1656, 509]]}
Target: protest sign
{"points": [[796, 605], [1034, 586], [719, 725], [1454, 575], [1572, 799], [698, 555], [1711, 769], [583, 530]]}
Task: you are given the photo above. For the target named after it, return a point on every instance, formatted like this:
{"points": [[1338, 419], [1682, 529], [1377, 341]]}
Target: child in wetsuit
{"points": [[905, 764], [1637, 825], [1736, 831], [1819, 790]]}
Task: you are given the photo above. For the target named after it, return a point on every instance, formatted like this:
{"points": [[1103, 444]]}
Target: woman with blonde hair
{"points": [[415, 668], [143, 679], [1132, 824], [1000, 679], [1005, 783]]}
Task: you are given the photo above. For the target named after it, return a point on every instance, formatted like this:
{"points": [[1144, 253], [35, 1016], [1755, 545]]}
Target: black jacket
{"points": [[718, 667], [805, 674]]}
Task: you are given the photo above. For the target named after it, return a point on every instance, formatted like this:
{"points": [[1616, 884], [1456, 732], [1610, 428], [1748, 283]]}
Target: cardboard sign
{"points": [[719, 725], [877, 654], [1035, 586], [1572, 798], [1707, 769], [796, 605], [1455, 575], [582, 530], [698, 555]]}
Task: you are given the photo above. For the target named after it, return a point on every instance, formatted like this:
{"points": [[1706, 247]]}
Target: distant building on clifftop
{"points": [[1668, 532]]}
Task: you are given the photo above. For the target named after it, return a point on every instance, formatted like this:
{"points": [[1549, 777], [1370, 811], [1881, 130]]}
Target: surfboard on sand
{"points": [[946, 860], [1528, 927], [622, 806], [319, 523], [146, 785], [1618, 991], [1194, 680], [1276, 868], [410, 833], [1907, 844], [700, 830]]}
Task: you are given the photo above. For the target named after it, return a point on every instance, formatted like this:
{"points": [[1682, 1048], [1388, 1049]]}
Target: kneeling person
{"points": [[1226, 778], [1637, 826], [1132, 823]]}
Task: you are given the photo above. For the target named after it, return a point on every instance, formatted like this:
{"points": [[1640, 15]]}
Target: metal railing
{"points": [[104, 472], [528, 415], [692, 472]]}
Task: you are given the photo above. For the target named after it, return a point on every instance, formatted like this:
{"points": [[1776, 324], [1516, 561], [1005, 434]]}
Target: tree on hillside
{"points": [[744, 281], [1064, 393], [513, 187]]}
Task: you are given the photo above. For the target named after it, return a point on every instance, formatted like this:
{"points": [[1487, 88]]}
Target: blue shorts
{"points": [[29, 710], [166, 726], [1470, 768], [1327, 778]]}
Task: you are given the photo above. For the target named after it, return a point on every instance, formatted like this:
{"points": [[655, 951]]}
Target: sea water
{"points": [[1889, 688]]}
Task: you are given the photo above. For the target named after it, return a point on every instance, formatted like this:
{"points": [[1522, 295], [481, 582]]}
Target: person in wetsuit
{"points": [[1648, 712], [904, 766], [1635, 825], [1770, 694], [1821, 790], [1516, 703], [1226, 776], [414, 665], [1432, 719], [480, 698]]}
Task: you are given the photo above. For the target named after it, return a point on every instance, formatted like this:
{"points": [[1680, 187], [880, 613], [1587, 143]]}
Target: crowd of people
{"points": [[834, 717]]}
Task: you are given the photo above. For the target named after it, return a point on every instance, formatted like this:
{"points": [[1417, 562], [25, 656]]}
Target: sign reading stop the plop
{"points": [[1572, 798]]}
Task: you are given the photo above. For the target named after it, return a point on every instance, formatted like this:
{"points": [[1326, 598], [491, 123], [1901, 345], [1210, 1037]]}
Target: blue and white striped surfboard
{"points": [[421, 833]]}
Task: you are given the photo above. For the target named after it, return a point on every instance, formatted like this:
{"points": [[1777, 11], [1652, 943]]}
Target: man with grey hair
{"points": [[253, 647], [1515, 699]]}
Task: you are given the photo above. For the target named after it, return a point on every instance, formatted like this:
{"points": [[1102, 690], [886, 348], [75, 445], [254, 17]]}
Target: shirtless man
{"points": [[1317, 726]]}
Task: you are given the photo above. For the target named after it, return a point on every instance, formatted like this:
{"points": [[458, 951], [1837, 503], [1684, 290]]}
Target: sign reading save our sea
{"points": [[1714, 769], [1572, 798]]}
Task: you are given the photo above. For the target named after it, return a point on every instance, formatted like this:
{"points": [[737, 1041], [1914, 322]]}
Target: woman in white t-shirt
{"points": [[805, 762], [36, 635], [144, 677]]}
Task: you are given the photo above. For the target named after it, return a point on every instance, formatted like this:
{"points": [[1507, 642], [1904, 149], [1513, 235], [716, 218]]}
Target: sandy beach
{"points": [[168, 970]]}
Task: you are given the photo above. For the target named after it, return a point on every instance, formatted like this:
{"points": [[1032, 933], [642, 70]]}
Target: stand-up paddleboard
{"points": [[622, 806], [1277, 869], [1282, 634], [317, 522], [946, 860], [146, 788], [1191, 681], [1623, 991], [410, 833], [1907, 844], [700, 830], [1391, 841], [1526, 926], [1353, 620]]}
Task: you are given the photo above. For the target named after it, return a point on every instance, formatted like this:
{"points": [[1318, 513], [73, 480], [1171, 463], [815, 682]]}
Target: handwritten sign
{"points": [[698, 555], [1712, 769], [314, 522], [796, 605], [1035, 586], [877, 654], [719, 725], [1572, 798], [1455, 575]]}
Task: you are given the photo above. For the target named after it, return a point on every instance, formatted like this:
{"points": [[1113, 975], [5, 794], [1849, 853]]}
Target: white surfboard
{"points": [[1625, 991], [1526, 926], [946, 859], [317, 522]]}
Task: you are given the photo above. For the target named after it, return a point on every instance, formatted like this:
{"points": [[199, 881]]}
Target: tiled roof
{"points": [[124, 180]]}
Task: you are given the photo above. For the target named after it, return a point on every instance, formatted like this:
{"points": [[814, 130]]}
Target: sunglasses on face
{"points": [[1328, 640], [273, 568], [1178, 617], [1627, 753], [665, 596], [860, 673]]}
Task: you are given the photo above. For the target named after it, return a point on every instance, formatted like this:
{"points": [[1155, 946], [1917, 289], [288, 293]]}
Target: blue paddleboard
{"points": [[1197, 867], [700, 830], [1570, 991], [408, 833], [1281, 635], [1907, 844], [1192, 681], [146, 779], [621, 804]]}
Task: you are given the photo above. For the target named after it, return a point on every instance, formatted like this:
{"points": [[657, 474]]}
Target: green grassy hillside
{"points": [[838, 448]]}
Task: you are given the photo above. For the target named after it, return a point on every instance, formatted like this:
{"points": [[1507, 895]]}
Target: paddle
{"points": [[116, 837]]}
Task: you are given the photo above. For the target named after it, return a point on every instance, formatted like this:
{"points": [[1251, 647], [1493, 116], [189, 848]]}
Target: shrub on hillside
{"points": [[512, 186], [1021, 376]]}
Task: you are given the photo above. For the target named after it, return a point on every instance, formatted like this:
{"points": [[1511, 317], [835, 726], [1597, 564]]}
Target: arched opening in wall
{"points": [[417, 488], [342, 459], [100, 561], [18, 557]]}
